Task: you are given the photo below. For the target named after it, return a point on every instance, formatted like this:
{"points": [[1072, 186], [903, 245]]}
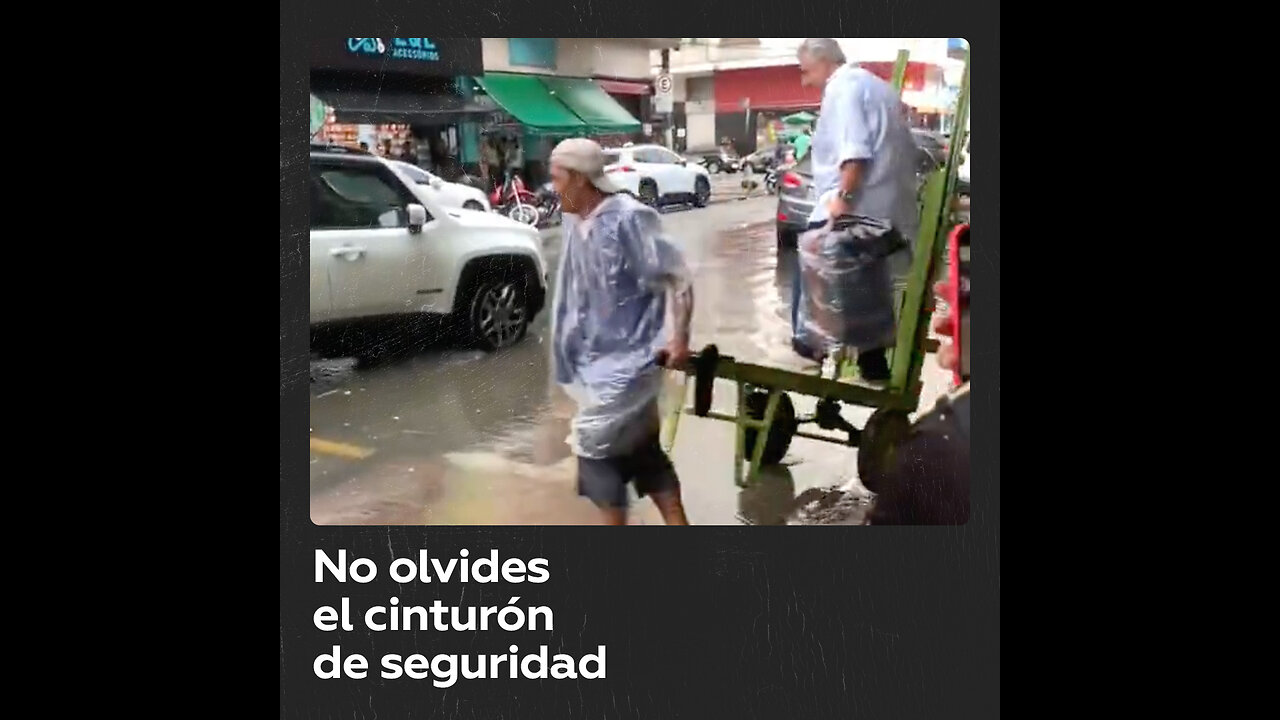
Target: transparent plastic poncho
{"points": [[847, 292], [610, 321]]}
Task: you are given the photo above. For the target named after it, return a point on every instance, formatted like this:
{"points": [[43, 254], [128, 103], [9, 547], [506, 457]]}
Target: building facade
{"points": [[446, 96], [604, 83], [740, 88], [386, 92]]}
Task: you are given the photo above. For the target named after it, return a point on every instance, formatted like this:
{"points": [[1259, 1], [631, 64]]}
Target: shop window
{"points": [[533, 52]]}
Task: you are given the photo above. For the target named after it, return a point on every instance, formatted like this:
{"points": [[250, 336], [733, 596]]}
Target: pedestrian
{"points": [[863, 164], [407, 154], [802, 143], [492, 161], [618, 278], [515, 158]]}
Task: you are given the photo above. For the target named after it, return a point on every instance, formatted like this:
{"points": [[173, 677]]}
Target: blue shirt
{"points": [[861, 119]]}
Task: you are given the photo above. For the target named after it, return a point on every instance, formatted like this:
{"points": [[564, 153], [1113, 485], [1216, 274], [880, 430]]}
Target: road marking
{"points": [[351, 452]]}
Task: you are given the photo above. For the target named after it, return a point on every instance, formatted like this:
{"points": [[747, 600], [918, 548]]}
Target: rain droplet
{"points": [[395, 417], [346, 392]]}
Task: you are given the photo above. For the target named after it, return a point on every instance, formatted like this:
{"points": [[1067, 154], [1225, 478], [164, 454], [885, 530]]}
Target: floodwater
{"points": [[446, 436]]}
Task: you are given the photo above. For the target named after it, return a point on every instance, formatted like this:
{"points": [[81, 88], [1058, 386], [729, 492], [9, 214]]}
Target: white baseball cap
{"points": [[587, 157]]}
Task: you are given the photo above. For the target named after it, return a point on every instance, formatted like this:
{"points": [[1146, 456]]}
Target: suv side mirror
{"points": [[417, 217]]}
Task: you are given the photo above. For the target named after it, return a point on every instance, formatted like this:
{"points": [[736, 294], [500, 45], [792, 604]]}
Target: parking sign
{"points": [[663, 98]]}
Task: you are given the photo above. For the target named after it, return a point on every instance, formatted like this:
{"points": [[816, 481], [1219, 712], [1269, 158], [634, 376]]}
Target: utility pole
{"points": [[667, 121]]}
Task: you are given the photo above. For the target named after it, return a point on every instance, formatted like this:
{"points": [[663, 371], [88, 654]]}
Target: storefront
{"points": [[751, 102], [384, 92], [635, 98], [539, 110]]}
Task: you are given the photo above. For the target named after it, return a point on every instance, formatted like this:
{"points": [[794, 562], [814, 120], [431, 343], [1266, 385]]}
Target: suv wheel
{"points": [[649, 192], [713, 167], [701, 192], [499, 315]]}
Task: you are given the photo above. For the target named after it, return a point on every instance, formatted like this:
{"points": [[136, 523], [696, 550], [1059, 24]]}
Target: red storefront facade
{"points": [[749, 99], [779, 88], [767, 88]]}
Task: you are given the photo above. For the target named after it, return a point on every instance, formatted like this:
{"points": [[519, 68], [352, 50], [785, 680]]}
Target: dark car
{"points": [[796, 195], [760, 160], [715, 160]]}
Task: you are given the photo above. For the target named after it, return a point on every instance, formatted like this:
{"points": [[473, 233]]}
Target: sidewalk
{"points": [[726, 187]]}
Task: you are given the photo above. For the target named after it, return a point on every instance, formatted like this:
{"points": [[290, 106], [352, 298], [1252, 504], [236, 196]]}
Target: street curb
{"points": [[716, 201]]}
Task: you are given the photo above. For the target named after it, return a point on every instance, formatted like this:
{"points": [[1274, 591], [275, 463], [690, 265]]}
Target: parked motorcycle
{"points": [[515, 201]]}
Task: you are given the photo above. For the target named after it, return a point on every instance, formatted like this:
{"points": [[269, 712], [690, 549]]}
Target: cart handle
{"points": [[702, 365]]}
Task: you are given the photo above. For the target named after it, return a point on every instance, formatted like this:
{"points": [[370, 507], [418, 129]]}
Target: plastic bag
{"points": [[847, 296], [610, 320]]}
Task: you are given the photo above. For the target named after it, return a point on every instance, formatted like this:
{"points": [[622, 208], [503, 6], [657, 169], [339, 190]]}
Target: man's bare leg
{"points": [[670, 506], [614, 516]]}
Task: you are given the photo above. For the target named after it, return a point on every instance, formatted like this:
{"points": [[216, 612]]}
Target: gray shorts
{"points": [[604, 481]]}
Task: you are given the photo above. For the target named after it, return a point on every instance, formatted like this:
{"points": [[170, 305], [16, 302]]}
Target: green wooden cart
{"points": [[764, 409]]}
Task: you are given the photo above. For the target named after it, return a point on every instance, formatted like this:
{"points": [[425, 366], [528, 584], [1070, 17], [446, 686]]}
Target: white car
{"points": [[381, 250], [455, 195], [656, 175]]}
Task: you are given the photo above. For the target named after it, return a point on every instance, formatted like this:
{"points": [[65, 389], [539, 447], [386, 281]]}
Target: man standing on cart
{"points": [[863, 159], [619, 278]]}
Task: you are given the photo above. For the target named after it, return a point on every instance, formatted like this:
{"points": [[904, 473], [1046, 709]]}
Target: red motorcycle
{"points": [[515, 201]]}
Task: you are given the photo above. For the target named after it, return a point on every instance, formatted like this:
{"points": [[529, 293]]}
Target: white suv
{"points": [[449, 194], [656, 175], [379, 250]]}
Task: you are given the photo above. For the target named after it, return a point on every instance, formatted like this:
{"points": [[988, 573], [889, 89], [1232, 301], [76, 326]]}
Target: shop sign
{"points": [[423, 56], [421, 49]]}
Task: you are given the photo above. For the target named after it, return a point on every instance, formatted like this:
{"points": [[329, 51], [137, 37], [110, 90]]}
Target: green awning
{"points": [[526, 98], [800, 118], [601, 113]]}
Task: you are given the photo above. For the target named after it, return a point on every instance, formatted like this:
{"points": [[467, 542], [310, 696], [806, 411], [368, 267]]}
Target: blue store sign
{"points": [[420, 56], [404, 48]]}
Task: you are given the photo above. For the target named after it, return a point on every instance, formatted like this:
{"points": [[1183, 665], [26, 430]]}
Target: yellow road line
{"points": [[329, 447]]}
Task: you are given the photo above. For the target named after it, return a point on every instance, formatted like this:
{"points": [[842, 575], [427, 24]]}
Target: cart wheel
{"points": [[880, 437], [780, 434]]}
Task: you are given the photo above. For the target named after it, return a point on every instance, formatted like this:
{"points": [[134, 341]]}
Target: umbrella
{"points": [[800, 118]]}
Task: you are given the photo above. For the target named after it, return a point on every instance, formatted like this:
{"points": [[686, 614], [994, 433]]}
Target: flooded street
{"points": [[448, 436]]}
